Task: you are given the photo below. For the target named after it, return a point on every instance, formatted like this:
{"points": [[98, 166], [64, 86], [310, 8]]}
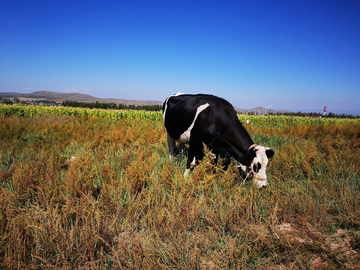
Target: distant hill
{"points": [[60, 97], [261, 110]]}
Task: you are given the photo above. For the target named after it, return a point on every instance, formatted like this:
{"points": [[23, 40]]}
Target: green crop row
{"points": [[277, 121], [269, 120], [30, 111]]}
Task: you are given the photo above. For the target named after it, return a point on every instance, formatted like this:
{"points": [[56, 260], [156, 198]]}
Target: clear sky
{"points": [[277, 54]]}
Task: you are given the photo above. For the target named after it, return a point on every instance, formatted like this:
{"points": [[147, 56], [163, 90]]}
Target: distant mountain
{"points": [[261, 110], [60, 97]]}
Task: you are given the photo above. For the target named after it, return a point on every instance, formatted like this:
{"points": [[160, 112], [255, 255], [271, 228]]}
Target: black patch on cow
{"points": [[257, 167], [251, 154], [269, 153]]}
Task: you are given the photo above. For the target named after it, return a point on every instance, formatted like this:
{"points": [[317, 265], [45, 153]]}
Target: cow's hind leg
{"points": [[171, 145]]}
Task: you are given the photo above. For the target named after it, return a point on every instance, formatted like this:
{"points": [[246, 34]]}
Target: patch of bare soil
{"points": [[338, 250]]}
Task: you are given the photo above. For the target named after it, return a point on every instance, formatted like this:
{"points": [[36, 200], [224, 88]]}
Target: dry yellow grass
{"points": [[94, 193]]}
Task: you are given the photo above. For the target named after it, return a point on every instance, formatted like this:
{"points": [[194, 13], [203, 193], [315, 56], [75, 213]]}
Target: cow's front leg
{"points": [[171, 145], [189, 167], [182, 147], [193, 150]]}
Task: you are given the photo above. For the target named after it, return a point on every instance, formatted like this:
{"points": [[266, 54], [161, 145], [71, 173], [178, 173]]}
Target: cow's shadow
{"points": [[181, 154]]}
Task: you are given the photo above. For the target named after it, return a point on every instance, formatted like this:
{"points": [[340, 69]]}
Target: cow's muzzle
{"points": [[260, 182]]}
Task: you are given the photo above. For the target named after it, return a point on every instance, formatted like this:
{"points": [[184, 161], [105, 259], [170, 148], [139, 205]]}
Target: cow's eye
{"points": [[257, 167]]}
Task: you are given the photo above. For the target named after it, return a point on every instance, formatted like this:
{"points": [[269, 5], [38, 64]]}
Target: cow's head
{"points": [[257, 159]]}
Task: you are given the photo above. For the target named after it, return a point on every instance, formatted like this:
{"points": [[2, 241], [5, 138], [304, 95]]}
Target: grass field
{"points": [[99, 192]]}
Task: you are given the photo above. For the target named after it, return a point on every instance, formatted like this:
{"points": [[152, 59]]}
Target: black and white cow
{"points": [[198, 119]]}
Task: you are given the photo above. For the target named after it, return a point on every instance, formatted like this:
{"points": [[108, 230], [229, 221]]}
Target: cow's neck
{"points": [[243, 143], [243, 140]]}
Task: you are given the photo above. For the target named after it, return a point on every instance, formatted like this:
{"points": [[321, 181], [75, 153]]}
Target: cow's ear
{"points": [[269, 152]]}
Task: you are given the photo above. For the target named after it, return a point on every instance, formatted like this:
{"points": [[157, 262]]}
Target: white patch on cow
{"points": [[193, 161], [185, 137], [260, 178], [243, 167], [166, 101]]}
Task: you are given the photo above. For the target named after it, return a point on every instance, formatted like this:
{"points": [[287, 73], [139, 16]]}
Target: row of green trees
{"points": [[313, 114], [10, 101], [110, 106]]}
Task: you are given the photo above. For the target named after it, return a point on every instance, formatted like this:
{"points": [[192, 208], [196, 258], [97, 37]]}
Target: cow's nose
{"points": [[261, 183]]}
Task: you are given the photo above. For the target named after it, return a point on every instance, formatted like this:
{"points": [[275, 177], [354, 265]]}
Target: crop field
{"points": [[95, 189]]}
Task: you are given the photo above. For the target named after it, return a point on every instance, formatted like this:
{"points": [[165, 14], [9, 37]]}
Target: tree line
{"points": [[309, 114], [111, 106], [313, 114]]}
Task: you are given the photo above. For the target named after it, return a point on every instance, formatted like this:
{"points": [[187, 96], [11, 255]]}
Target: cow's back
{"points": [[180, 111]]}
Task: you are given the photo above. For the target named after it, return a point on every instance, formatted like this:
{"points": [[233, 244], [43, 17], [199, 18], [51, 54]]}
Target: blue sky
{"points": [[293, 55]]}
